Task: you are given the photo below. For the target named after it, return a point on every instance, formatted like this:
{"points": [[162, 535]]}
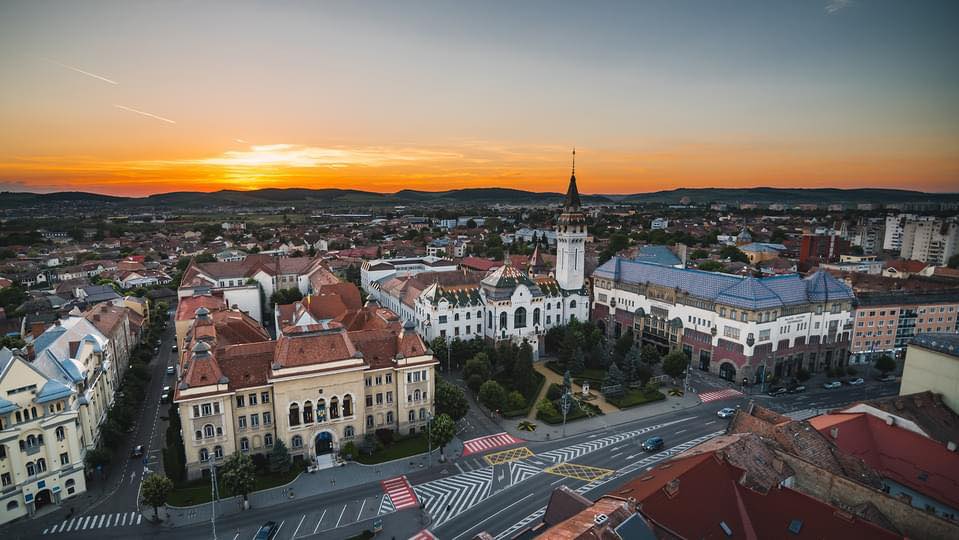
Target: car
{"points": [[266, 531], [166, 389], [653, 443], [725, 413], [165, 397], [887, 378], [132, 428], [777, 391], [857, 381], [170, 370], [137, 451], [174, 349], [796, 389], [831, 384]]}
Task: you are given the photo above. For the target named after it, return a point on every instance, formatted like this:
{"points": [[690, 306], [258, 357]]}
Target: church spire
{"points": [[572, 194]]}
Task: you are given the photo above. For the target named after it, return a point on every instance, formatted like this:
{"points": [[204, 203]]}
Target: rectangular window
{"points": [[252, 399], [5, 479], [241, 421], [731, 332], [389, 397], [267, 418], [764, 335], [64, 459], [369, 381], [389, 378], [207, 410], [196, 411], [369, 400], [442, 319], [239, 401], [424, 374], [216, 407], [379, 379], [264, 397], [254, 421], [379, 399]]}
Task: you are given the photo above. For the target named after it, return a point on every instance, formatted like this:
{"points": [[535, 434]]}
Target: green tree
{"points": [[885, 364], [280, 457], [476, 371], [733, 254], [674, 363], [650, 355], [515, 401], [12, 342], [546, 407], [238, 475], [285, 296], [524, 376], [623, 345], [578, 364], [614, 376], [450, 400], [492, 394], [953, 261], [154, 491], [710, 266], [699, 254], [441, 431], [98, 457]]}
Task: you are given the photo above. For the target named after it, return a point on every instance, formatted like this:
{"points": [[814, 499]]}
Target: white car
{"points": [[725, 413], [857, 381], [832, 384]]}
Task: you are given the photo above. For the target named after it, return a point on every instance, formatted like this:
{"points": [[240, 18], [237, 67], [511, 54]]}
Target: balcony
{"points": [[31, 450]]}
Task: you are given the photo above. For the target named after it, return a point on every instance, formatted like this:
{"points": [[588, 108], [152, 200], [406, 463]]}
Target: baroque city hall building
{"points": [[338, 370]]}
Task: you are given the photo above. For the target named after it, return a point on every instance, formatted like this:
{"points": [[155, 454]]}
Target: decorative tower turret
{"points": [[571, 239]]}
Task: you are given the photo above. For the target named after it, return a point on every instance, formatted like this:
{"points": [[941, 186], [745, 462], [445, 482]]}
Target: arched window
{"points": [[348, 432], [347, 405], [308, 412], [31, 470], [389, 417], [422, 414], [268, 440], [71, 485], [208, 430], [198, 435], [412, 416], [204, 454], [31, 440], [572, 304], [489, 319], [219, 431], [502, 321], [416, 395], [297, 441], [41, 465], [244, 444], [321, 410], [3, 451], [217, 452], [536, 316], [61, 433], [294, 414], [369, 420], [519, 318], [334, 407], [19, 420], [12, 505]]}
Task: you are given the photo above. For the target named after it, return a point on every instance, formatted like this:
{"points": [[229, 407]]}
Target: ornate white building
{"points": [[509, 303]]}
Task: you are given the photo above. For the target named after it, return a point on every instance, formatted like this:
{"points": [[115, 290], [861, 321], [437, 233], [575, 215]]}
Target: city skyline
{"points": [[138, 99]]}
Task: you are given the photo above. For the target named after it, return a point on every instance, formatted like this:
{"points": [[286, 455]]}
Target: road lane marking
{"points": [[505, 456], [558, 481], [139, 518], [710, 422], [616, 454], [680, 431], [360, 514], [492, 516], [237, 535], [460, 469], [277, 534], [341, 517], [579, 472], [298, 526], [323, 515]]}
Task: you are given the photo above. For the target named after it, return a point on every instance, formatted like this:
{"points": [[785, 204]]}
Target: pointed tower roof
{"points": [[572, 194]]}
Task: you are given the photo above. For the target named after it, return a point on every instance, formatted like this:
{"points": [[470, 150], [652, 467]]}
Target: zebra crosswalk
{"points": [[448, 497], [570, 453], [520, 471], [98, 521]]}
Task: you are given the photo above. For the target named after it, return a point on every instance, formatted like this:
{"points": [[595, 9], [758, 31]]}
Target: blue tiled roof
{"points": [[941, 342], [749, 292], [52, 391], [45, 339], [660, 255], [7, 407]]}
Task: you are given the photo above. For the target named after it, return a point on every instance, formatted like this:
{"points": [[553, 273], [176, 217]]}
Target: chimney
{"points": [[96, 317], [600, 519], [31, 353], [834, 433], [672, 487], [36, 329], [951, 446]]}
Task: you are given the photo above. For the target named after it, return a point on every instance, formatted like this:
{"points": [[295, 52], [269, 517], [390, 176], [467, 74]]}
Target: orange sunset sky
{"points": [[136, 98]]}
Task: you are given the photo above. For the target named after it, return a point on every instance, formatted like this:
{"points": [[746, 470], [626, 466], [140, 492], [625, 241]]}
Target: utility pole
{"points": [[429, 439], [213, 502]]}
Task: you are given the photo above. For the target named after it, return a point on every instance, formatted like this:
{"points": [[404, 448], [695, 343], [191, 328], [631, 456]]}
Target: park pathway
{"points": [[553, 377]]}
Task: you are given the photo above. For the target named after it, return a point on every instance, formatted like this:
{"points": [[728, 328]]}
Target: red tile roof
{"points": [[907, 458], [186, 308]]}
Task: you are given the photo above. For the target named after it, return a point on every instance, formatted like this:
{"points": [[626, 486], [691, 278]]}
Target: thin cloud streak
{"points": [[144, 113], [78, 70], [837, 5]]}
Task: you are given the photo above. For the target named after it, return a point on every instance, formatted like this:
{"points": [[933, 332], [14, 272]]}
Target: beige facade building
{"points": [[886, 322], [932, 364], [337, 371]]}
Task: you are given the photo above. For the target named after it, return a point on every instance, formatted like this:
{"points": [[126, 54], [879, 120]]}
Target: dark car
{"points": [[653, 443], [266, 531], [797, 389], [887, 378], [137, 451], [778, 391]]}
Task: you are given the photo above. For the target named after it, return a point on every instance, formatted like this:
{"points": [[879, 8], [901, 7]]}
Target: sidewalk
{"points": [[324, 482]]}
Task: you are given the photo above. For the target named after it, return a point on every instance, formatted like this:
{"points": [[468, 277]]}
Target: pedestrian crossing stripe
{"points": [[579, 472], [98, 521], [506, 456], [482, 444], [520, 471], [706, 397], [386, 506], [446, 498]]}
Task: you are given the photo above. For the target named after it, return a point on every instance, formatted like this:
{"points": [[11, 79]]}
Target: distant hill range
{"points": [[473, 196]]}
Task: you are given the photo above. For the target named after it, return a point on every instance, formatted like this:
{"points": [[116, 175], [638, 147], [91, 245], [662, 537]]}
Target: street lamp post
{"points": [[429, 439], [213, 498]]}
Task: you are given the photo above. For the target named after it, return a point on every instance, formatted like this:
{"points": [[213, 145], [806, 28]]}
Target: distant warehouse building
{"points": [[738, 328]]}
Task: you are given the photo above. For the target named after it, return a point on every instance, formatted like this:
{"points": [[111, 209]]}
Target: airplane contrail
{"points": [[144, 113], [78, 70]]}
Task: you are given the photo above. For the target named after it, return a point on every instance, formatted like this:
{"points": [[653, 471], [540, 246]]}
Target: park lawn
{"points": [[575, 413], [635, 397], [406, 447], [199, 491]]}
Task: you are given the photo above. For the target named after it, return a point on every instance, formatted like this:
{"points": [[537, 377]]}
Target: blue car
{"points": [[653, 444]]}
